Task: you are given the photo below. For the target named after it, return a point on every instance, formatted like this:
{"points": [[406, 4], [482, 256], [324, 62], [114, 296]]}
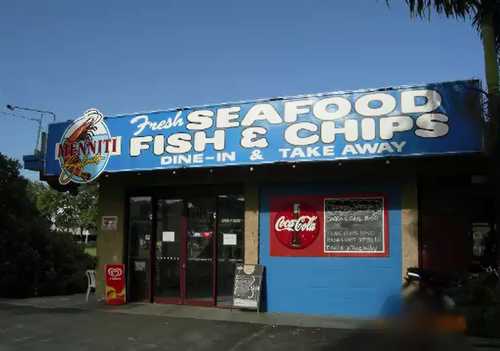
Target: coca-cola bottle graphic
{"points": [[296, 234]]}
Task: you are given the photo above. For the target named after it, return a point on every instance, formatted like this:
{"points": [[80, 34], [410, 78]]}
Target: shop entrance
{"points": [[190, 246]]}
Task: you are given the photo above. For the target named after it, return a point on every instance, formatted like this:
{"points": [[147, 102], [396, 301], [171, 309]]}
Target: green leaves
{"points": [[33, 259], [68, 212], [449, 8]]}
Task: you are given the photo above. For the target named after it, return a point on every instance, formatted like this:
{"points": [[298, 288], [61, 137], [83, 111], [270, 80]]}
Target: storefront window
{"points": [[230, 243]]}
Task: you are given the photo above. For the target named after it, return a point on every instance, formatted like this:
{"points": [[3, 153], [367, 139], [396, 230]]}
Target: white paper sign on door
{"points": [[139, 266], [229, 239], [168, 237]]}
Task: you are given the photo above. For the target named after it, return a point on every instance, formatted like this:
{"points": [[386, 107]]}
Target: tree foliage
{"points": [[68, 212], [22, 232], [33, 260]]}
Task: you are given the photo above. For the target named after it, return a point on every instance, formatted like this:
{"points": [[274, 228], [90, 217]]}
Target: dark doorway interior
{"points": [[139, 267], [450, 208]]}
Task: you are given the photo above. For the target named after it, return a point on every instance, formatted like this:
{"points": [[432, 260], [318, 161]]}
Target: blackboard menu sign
{"points": [[356, 226], [247, 286]]}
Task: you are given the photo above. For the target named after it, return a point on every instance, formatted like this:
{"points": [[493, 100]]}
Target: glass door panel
{"points": [[230, 244], [168, 250], [200, 231], [140, 231]]}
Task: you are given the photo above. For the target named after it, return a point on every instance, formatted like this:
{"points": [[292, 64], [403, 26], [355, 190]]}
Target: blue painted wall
{"points": [[362, 287]]}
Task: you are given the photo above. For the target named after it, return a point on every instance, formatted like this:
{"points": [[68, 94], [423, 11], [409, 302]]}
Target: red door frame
{"points": [[183, 268]]}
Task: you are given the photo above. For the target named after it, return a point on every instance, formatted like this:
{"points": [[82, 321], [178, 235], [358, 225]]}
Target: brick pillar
{"points": [[251, 224], [110, 243], [409, 227]]}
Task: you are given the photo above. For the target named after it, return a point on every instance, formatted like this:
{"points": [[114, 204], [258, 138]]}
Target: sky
{"points": [[124, 56]]}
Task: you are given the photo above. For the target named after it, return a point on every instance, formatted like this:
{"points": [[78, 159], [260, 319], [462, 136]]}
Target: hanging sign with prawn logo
{"points": [[85, 148]]}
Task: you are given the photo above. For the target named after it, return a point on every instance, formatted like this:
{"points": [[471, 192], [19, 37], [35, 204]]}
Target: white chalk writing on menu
{"points": [[354, 225]]}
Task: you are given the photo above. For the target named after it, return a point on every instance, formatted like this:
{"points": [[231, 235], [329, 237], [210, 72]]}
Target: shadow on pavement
{"points": [[26, 310], [397, 340]]}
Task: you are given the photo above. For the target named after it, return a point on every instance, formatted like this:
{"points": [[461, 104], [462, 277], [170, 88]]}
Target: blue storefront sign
{"points": [[425, 119]]}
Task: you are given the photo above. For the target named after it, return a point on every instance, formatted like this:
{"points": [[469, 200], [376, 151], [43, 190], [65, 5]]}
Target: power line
{"points": [[21, 116]]}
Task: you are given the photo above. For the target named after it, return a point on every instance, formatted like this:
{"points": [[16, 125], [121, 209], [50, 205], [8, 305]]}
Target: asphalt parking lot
{"points": [[42, 328]]}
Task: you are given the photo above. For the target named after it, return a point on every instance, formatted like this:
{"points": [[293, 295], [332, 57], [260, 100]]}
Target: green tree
{"points": [[23, 240], [85, 206], [57, 208], [34, 260], [68, 212], [35, 189]]}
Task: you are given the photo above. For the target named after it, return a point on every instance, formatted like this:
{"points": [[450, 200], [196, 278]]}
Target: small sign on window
{"points": [[168, 237], [109, 222], [139, 266], [229, 239]]}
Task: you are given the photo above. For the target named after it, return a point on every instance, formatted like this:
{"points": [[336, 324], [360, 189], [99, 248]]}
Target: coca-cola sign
{"points": [[307, 223], [296, 225]]}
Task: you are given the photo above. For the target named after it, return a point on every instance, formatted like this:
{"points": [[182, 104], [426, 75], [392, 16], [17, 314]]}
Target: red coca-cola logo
{"points": [[296, 226]]}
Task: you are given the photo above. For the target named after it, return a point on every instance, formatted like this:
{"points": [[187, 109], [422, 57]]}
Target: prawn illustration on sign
{"points": [[85, 148]]}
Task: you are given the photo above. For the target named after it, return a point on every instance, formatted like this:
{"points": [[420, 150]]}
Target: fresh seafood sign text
{"points": [[85, 148]]}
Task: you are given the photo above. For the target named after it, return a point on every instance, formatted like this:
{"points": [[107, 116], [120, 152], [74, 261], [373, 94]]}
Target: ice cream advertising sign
{"points": [[115, 284]]}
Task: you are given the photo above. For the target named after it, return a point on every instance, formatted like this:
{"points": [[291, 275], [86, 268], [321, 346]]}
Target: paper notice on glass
{"points": [[168, 237], [139, 266], [229, 239]]}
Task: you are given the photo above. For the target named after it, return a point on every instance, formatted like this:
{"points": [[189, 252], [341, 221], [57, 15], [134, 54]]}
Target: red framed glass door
{"points": [[184, 254], [200, 252], [168, 257]]}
